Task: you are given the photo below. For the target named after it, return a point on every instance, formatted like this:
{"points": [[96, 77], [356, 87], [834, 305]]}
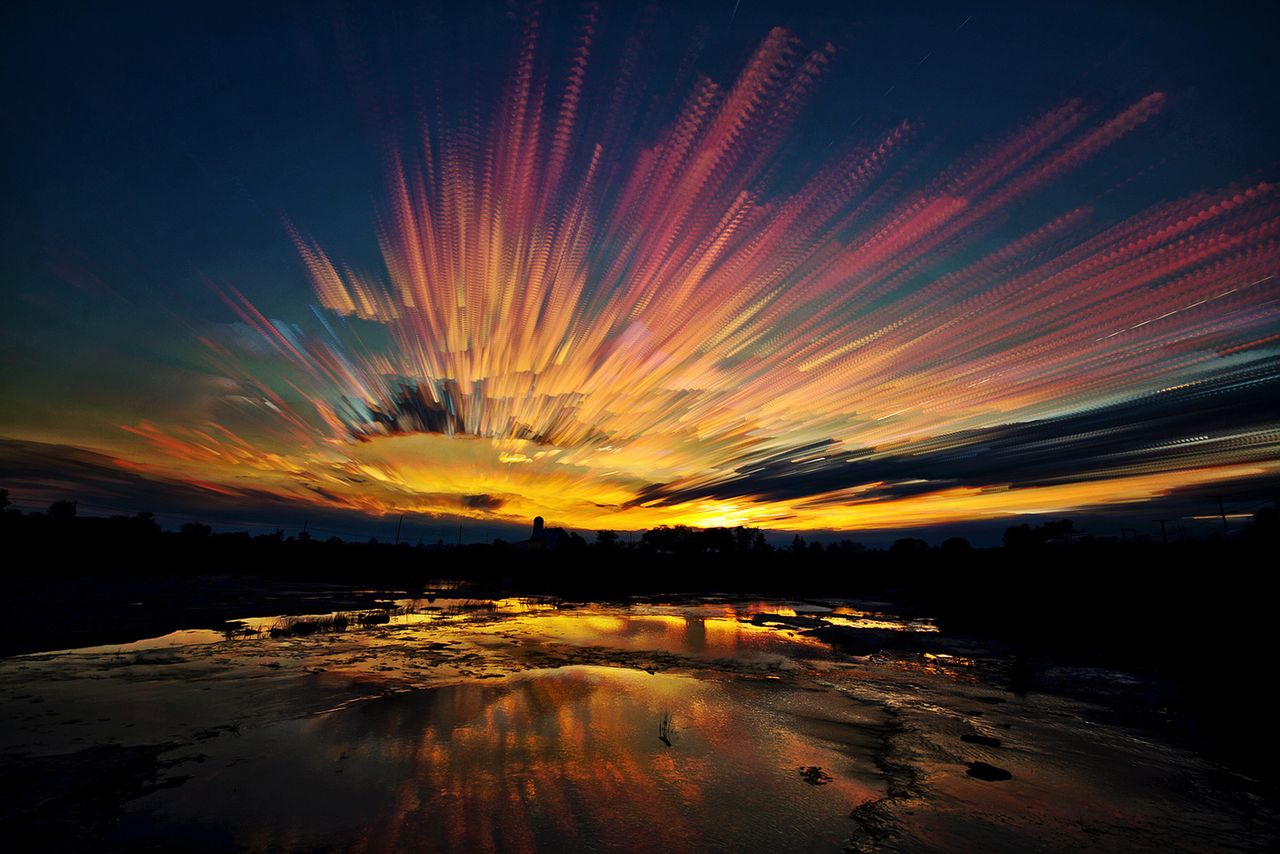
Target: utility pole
{"points": [[398, 525], [1222, 512], [459, 535], [1164, 538]]}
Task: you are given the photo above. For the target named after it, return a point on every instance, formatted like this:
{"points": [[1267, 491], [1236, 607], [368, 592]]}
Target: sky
{"points": [[838, 268]]}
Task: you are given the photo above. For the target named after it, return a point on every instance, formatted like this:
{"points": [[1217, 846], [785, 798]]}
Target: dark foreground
{"points": [[444, 720], [1060, 693]]}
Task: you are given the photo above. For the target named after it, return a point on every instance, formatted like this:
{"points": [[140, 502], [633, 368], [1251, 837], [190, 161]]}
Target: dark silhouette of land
{"points": [[1193, 613]]}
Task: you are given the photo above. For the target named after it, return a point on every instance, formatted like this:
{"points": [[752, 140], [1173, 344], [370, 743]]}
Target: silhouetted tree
{"points": [[749, 540], [668, 539], [196, 531], [1022, 537], [1018, 537], [1058, 532], [908, 546], [62, 511], [1265, 526], [717, 541], [145, 523]]}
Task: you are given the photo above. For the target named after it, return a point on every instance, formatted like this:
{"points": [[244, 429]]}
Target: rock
{"points": [[990, 773], [877, 829], [814, 776], [984, 740], [851, 641]]}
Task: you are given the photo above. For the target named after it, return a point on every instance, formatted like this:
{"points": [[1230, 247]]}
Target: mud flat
{"points": [[535, 725]]}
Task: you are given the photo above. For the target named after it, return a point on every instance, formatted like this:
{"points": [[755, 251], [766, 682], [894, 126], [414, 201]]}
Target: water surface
{"points": [[518, 724]]}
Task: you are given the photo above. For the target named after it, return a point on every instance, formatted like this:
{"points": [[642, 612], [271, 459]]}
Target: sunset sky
{"points": [[814, 267]]}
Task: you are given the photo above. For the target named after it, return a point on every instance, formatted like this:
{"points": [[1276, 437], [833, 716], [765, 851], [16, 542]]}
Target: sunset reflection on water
{"points": [[568, 759], [536, 725], [691, 634]]}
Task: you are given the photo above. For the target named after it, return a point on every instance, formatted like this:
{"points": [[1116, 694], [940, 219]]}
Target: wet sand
{"points": [[533, 725]]}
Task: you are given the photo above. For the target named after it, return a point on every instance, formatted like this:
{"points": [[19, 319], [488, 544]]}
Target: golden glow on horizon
{"points": [[437, 475]]}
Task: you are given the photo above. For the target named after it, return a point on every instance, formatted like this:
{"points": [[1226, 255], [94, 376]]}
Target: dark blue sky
{"points": [[162, 138]]}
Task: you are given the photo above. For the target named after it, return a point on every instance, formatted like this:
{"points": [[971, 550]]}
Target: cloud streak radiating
{"points": [[616, 320]]}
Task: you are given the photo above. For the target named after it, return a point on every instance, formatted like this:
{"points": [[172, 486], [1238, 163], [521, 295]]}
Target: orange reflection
{"points": [[567, 760]]}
